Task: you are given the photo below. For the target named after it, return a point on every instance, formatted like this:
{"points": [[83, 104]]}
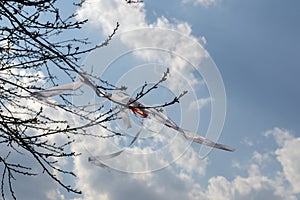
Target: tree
{"points": [[31, 41]]}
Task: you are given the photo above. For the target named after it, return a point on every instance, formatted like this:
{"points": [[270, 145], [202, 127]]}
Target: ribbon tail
{"points": [[126, 119], [202, 140]]}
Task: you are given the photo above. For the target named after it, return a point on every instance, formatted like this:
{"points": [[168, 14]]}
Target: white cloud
{"points": [[106, 14], [289, 158], [168, 183], [288, 155], [175, 181], [280, 135], [256, 184], [251, 187], [170, 44], [147, 183], [204, 3], [170, 36]]}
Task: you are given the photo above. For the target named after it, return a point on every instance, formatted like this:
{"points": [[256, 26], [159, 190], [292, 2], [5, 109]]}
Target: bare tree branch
{"points": [[30, 44], [33, 55]]}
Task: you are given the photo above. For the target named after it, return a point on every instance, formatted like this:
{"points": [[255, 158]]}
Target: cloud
{"points": [[163, 184], [280, 135], [251, 187], [181, 179], [177, 48], [174, 39], [165, 42], [144, 171], [106, 14], [257, 184], [288, 156], [177, 180]]}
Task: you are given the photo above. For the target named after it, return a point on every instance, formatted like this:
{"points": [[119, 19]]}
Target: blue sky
{"points": [[261, 68], [255, 46]]}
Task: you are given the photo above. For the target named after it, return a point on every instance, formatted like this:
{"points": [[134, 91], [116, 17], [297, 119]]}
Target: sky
{"points": [[239, 60]]}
